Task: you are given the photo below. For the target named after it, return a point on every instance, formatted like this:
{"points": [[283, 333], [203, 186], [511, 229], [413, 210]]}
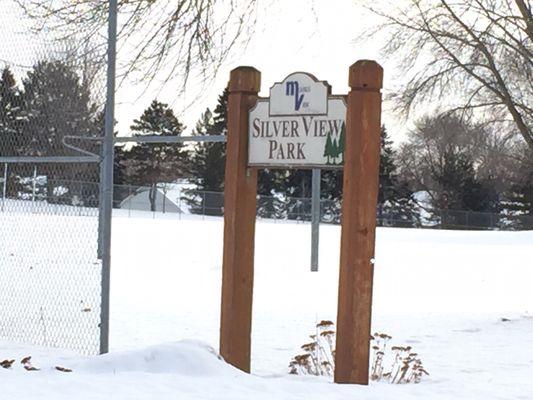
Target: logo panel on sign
{"points": [[299, 94]]}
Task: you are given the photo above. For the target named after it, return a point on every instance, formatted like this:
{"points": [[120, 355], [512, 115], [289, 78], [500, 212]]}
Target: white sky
{"points": [[296, 35]]}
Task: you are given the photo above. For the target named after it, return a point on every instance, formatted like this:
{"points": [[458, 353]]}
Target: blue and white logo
{"points": [[299, 94], [292, 88]]}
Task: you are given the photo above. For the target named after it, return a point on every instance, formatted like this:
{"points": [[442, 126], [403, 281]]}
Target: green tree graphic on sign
{"points": [[336, 152], [342, 142], [334, 148], [328, 150]]}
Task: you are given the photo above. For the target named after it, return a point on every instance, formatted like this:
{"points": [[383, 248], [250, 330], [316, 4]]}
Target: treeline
{"points": [[445, 163], [460, 165]]}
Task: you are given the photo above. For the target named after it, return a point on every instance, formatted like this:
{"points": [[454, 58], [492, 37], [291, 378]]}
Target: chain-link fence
{"points": [[49, 271], [51, 104], [176, 200]]}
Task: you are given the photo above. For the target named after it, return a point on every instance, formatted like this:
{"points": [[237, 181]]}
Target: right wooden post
{"points": [[360, 191]]}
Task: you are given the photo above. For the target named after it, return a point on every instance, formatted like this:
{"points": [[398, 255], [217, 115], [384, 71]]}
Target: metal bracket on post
{"points": [[77, 149]]}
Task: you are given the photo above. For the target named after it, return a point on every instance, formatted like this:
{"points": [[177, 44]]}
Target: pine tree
{"points": [[10, 125], [10, 109], [460, 190], [518, 201], [387, 169], [120, 179], [154, 164], [206, 169], [342, 142], [208, 161], [328, 150], [55, 105], [220, 115], [335, 151], [396, 205]]}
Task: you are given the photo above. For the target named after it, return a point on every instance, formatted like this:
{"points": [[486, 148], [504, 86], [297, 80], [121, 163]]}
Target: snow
{"points": [[442, 292], [169, 198]]}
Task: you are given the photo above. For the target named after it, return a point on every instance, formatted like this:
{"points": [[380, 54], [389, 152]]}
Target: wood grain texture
{"points": [[360, 191], [240, 189]]}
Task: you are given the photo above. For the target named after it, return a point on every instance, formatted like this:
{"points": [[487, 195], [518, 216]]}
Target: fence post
{"points": [[106, 207], [179, 205], [4, 194], [360, 191], [240, 203], [164, 198], [203, 205], [315, 218], [130, 197], [33, 187]]}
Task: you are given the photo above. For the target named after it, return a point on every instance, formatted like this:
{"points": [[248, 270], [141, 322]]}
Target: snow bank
{"points": [[186, 357]]}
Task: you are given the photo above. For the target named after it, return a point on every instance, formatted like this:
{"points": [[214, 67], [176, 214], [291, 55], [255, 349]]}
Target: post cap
{"points": [[366, 74], [245, 79]]}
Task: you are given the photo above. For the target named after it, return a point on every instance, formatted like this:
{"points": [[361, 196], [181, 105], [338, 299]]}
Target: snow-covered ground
{"points": [[444, 293]]}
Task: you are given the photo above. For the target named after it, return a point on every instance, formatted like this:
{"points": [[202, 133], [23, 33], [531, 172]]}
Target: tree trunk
{"points": [[152, 196]]}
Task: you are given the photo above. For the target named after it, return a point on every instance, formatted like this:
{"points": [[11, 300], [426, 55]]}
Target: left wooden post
{"points": [[240, 189]]}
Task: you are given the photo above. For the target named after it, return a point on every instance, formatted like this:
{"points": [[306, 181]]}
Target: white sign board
{"points": [[298, 126]]}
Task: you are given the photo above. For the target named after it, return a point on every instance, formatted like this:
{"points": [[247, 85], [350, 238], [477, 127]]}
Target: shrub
{"points": [[318, 358]]}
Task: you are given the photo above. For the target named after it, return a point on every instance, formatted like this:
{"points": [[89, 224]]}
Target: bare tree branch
{"points": [[465, 55], [171, 38]]}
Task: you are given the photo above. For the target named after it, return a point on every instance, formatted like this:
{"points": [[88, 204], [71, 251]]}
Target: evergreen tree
{"points": [[56, 104], [10, 125], [297, 186], [342, 142], [220, 115], [523, 186], [120, 179], [387, 169], [461, 190], [328, 150], [450, 159], [10, 110], [154, 164], [208, 161], [518, 200], [396, 205], [335, 151]]}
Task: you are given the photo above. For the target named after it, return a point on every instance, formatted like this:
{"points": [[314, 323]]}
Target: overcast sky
{"points": [[289, 36]]}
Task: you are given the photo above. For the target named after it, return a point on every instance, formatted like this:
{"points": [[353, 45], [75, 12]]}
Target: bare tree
{"points": [[438, 142], [471, 56], [167, 38]]}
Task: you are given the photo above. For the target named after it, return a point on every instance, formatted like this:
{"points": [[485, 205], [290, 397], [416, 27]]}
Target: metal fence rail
{"points": [[175, 200]]}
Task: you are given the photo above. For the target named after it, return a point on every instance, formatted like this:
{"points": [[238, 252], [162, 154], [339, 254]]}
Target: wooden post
{"points": [[240, 189], [360, 191]]}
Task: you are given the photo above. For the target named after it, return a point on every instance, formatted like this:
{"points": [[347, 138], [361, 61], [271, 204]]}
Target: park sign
{"points": [[299, 125]]}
